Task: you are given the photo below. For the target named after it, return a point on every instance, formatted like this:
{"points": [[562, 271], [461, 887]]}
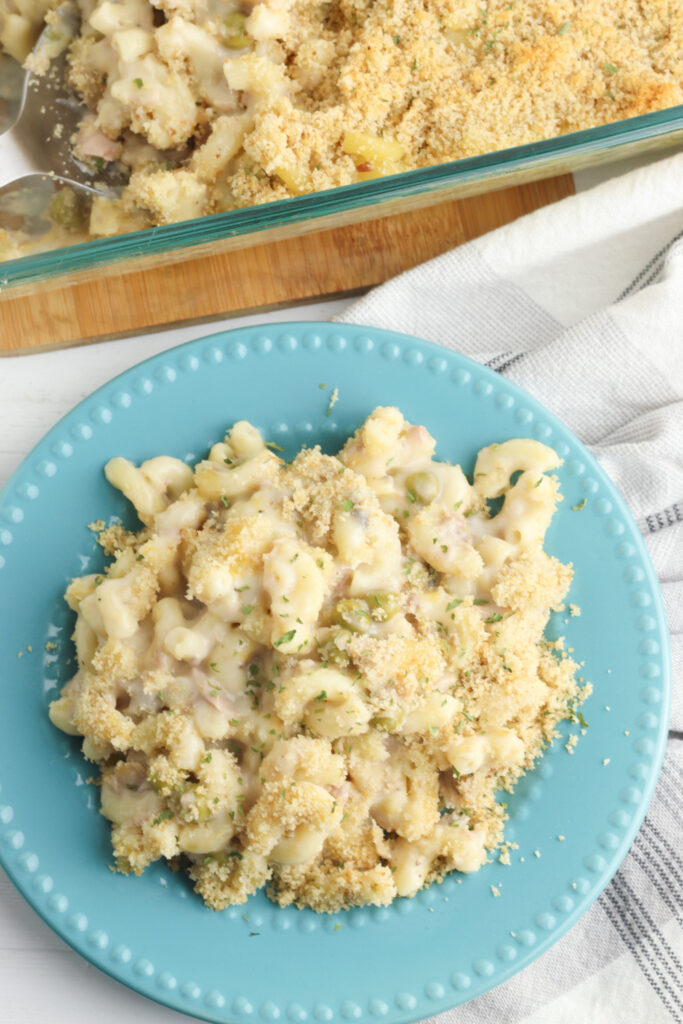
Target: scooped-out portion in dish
{"points": [[220, 104], [314, 677]]}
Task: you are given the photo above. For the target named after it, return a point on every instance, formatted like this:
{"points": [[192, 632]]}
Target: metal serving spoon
{"points": [[39, 141]]}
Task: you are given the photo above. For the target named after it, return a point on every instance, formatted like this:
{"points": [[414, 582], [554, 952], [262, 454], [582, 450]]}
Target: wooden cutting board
{"points": [[338, 261]]}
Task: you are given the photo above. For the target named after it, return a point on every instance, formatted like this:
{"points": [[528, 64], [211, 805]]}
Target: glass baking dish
{"points": [[366, 200]]}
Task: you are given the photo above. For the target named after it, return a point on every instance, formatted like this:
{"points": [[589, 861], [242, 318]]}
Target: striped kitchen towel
{"points": [[581, 304]]}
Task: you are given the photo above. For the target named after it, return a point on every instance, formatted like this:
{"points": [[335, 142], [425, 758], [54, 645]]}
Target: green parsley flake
{"points": [[225, 501], [496, 617], [581, 505], [138, 82], [164, 816], [274, 446], [247, 609], [347, 504], [285, 638]]}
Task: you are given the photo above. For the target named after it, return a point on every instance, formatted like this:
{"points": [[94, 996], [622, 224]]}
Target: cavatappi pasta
{"points": [[315, 676], [219, 104]]}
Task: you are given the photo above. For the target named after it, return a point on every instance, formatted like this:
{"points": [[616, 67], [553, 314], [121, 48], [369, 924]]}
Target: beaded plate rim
{"points": [[117, 395]]}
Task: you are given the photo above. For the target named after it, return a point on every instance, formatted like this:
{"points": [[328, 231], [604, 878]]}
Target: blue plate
{"points": [[416, 957]]}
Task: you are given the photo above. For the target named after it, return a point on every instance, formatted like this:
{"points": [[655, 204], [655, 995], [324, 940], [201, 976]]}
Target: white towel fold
{"points": [[581, 304]]}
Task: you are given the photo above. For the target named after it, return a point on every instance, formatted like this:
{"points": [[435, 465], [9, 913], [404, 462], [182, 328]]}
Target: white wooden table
{"points": [[41, 979]]}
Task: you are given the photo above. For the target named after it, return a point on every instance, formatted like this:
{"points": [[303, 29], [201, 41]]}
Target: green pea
{"points": [[67, 210], [383, 604], [222, 857], [353, 613], [233, 34], [386, 723], [164, 785], [425, 486], [335, 650], [155, 782]]}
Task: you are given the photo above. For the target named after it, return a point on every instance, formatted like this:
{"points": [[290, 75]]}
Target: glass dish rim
{"points": [[188, 234]]}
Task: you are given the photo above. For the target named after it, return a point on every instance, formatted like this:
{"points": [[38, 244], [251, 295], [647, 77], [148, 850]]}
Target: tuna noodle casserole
{"points": [[217, 104], [315, 676]]}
